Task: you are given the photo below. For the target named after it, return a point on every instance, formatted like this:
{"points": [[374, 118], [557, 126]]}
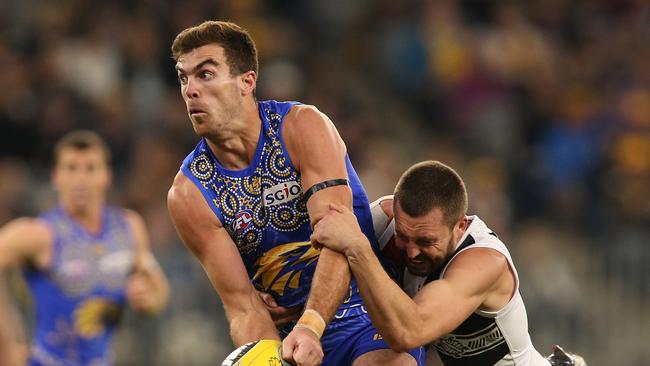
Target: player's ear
{"points": [[248, 82], [461, 226]]}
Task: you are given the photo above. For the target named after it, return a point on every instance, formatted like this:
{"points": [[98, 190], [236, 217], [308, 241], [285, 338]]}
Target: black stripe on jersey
{"points": [[478, 341]]}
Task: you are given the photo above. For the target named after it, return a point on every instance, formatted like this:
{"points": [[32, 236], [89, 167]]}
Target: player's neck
{"points": [[89, 217], [235, 146]]}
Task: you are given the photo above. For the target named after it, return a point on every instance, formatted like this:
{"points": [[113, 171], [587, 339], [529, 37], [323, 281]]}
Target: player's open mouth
{"points": [[196, 111]]}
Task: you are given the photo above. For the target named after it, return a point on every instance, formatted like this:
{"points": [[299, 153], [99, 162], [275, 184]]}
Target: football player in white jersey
{"points": [[465, 300]]}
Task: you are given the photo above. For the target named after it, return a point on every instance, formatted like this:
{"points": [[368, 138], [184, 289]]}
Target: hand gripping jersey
{"points": [[485, 338], [80, 296], [262, 209]]}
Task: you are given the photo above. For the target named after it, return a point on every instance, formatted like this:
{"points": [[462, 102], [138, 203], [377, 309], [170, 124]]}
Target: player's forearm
{"points": [[251, 326], [161, 290], [248, 317], [330, 284], [391, 310], [4, 331], [12, 338], [160, 296]]}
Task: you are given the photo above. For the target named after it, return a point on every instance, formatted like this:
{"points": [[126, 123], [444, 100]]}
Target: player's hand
{"points": [[281, 316], [140, 293], [302, 347], [338, 230]]}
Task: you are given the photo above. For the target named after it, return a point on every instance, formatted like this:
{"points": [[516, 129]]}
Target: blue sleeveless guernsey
{"points": [[262, 209], [79, 298]]}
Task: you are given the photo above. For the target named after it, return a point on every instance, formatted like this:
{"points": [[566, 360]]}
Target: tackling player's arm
{"points": [[438, 308], [205, 236], [147, 288], [318, 152]]}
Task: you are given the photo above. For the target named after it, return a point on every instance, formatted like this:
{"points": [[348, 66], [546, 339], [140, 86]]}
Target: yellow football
{"points": [[265, 352]]}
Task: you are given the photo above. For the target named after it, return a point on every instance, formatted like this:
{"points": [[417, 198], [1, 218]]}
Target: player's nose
{"points": [[191, 89], [412, 251]]}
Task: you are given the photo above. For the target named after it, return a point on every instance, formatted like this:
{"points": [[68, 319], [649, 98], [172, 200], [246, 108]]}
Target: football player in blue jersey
{"points": [[83, 260], [245, 199]]}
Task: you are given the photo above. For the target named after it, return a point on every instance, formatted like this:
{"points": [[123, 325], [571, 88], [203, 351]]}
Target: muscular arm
{"points": [[147, 287], [436, 310], [204, 235], [318, 152]]}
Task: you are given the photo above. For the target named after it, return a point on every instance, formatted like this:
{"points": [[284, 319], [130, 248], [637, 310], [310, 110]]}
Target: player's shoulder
{"points": [[482, 267], [187, 205], [483, 235], [303, 110], [383, 205], [308, 132], [182, 192], [33, 237], [484, 251], [32, 227], [132, 217], [304, 119]]}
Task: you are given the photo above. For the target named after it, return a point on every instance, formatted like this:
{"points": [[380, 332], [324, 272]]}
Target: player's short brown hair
{"points": [[432, 184], [82, 140], [239, 47]]}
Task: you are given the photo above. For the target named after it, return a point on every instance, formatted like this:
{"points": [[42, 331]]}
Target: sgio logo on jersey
{"points": [[281, 193]]}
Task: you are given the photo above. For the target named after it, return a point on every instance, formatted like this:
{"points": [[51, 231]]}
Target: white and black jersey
{"points": [[485, 338]]}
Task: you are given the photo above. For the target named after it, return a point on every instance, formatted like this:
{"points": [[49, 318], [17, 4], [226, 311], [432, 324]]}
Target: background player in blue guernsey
{"points": [[246, 197], [83, 260], [466, 303]]}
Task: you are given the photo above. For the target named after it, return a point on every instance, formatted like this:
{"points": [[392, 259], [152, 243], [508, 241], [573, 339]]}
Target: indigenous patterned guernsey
{"points": [[79, 298], [262, 209]]}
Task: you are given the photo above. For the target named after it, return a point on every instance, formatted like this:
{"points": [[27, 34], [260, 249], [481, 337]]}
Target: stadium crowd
{"points": [[544, 107]]}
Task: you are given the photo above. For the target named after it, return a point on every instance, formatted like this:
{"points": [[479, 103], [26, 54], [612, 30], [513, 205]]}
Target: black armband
{"points": [[322, 185]]}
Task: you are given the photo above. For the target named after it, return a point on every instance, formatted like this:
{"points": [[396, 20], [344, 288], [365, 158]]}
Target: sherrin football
{"points": [[265, 352]]}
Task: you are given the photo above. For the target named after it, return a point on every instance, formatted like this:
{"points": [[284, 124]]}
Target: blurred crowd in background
{"points": [[542, 105]]}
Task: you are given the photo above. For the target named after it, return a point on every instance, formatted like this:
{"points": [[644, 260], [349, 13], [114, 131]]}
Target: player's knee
{"points": [[385, 357]]}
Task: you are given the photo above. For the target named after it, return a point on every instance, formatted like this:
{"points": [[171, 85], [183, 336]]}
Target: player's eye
{"points": [[205, 75], [182, 79]]}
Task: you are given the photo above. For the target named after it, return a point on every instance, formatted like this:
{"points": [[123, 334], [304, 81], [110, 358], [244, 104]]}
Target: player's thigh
{"points": [[385, 357]]}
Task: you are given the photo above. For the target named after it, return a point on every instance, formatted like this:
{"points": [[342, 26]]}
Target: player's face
{"points": [[81, 177], [212, 95], [426, 241]]}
